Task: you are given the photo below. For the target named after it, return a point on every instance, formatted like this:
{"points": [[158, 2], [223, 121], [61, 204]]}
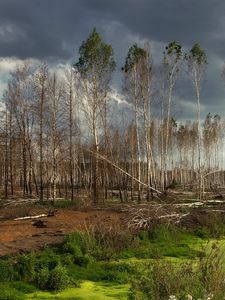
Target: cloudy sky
{"points": [[52, 31]]}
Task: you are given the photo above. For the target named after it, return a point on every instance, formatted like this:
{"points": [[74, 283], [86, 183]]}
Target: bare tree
{"points": [[171, 66], [95, 66], [41, 92], [197, 62]]}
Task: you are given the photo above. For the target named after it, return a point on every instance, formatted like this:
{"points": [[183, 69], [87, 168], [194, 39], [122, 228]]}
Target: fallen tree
{"points": [[102, 157]]}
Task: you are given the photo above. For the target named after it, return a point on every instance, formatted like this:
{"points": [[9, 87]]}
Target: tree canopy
{"points": [[96, 57]]}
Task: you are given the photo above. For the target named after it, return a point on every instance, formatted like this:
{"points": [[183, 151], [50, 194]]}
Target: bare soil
{"points": [[18, 236]]}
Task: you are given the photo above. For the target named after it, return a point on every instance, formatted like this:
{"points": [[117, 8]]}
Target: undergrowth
{"points": [[202, 280], [105, 254]]}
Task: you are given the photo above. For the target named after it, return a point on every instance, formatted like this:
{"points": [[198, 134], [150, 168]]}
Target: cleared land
{"points": [[18, 236]]}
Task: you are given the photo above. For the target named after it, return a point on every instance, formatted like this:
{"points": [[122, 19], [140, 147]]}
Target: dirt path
{"points": [[18, 236]]}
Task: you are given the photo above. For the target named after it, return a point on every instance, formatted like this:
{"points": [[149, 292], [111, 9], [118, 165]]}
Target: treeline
{"points": [[56, 136]]}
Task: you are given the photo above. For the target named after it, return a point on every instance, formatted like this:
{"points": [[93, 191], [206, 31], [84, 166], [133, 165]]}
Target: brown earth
{"points": [[18, 236]]}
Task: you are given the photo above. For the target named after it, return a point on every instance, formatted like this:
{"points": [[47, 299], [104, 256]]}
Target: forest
{"points": [[106, 194], [58, 135]]}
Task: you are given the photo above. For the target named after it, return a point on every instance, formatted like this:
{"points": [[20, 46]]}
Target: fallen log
{"points": [[102, 157], [31, 217]]}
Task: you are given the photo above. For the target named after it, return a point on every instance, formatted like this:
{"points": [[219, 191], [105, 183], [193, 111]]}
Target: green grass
{"points": [[87, 291], [165, 242]]}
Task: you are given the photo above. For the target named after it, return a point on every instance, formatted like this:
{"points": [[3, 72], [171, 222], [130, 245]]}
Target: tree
{"points": [[172, 59], [135, 83], [95, 66], [197, 62], [20, 112], [71, 112], [55, 128], [41, 90]]}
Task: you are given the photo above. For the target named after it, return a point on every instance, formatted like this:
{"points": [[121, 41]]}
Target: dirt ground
{"points": [[18, 236], [23, 235]]}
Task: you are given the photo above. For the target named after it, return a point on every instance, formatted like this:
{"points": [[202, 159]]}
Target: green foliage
{"points": [[94, 271], [7, 272], [87, 290], [118, 272], [42, 278], [95, 255], [211, 269], [76, 244], [96, 57], [134, 56], [10, 293], [160, 241], [169, 241], [202, 232], [114, 272], [25, 267], [58, 279], [48, 258], [198, 54], [209, 225], [174, 49], [23, 287], [163, 280], [172, 58], [197, 279], [101, 253], [99, 243]]}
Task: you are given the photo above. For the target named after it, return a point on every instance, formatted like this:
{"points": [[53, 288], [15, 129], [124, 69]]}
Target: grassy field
{"points": [[88, 290]]}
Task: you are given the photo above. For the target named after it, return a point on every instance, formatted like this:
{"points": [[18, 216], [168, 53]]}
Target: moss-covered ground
{"points": [[88, 290]]}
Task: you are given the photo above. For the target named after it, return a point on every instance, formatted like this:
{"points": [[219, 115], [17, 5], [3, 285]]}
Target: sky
{"points": [[52, 31]]}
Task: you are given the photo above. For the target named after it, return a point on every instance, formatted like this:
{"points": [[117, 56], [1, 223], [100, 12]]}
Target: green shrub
{"points": [[202, 232], [171, 241], [26, 267], [23, 287], [101, 254], [164, 279], [82, 247], [58, 279], [8, 293], [42, 278], [47, 258], [75, 246], [67, 259], [144, 235], [118, 272], [7, 273]]}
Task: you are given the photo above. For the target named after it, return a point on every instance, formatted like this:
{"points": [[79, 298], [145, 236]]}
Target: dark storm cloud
{"points": [[53, 27], [54, 30], [45, 28], [162, 20]]}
